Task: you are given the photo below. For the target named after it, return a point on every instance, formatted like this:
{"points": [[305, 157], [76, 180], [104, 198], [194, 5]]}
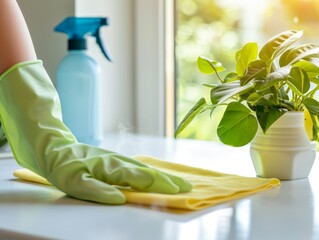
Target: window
{"points": [[154, 80], [216, 29]]}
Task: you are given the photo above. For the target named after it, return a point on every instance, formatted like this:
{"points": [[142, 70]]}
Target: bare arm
{"points": [[15, 41]]}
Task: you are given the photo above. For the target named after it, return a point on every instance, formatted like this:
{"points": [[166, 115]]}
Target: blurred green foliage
{"points": [[203, 28]]}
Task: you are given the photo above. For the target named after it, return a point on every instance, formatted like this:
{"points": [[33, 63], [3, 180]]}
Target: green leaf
{"points": [[230, 77], [295, 54], [196, 109], [279, 74], [314, 59], [210, 85], [256, 70], [309, 66], [282, 93], [267, 116], [257, 99], [208, 66], [254, 98], [299, 81], [244, 56], [278, 44], [313, 107], [273, 78], [223, 92], [237, 126]]}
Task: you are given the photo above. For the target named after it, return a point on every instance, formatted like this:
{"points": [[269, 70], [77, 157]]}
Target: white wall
{"points": [[41, 17], [118, 76]]}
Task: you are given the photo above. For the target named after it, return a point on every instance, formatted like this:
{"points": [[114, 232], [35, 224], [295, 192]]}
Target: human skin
{"points": [[15, 41]]}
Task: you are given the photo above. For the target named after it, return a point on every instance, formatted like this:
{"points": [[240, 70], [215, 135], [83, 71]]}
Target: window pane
{"points": [[217, 29]]}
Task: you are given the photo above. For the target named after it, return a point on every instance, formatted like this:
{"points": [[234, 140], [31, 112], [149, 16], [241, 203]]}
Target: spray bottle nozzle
{"points": [[77, 27]]}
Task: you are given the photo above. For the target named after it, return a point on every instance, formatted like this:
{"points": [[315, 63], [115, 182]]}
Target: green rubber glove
{"points": [[30, 112]]}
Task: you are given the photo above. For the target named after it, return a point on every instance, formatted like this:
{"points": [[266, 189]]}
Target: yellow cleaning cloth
{"points": [[209, 188]]}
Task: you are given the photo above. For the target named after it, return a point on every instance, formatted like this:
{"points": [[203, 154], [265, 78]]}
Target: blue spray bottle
{"points": [[78, 81]]}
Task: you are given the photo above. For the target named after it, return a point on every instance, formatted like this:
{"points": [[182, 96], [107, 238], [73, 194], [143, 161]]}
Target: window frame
{"points": [[155, 76]]}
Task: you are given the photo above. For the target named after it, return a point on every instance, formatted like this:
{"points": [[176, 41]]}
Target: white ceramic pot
{"points": [[284, 152]]}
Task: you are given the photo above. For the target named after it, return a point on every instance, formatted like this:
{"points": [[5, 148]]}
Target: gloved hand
{"points": [[30, 112]]}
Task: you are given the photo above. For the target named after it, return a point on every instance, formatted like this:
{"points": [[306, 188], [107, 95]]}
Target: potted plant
{"points": [[267, 93]]}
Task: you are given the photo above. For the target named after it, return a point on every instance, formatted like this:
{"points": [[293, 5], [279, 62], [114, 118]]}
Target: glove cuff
{"points": [[17, 65]]}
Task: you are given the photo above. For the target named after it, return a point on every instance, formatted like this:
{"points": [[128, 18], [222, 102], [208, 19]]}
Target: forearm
{"points": [[15, 42]]}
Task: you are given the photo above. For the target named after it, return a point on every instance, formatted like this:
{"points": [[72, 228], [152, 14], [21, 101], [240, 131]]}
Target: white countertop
{"points": [[33, 211]]}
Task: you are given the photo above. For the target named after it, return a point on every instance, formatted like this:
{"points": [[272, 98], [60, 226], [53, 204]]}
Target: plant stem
{"points": [[312, 92], [219, 78]]}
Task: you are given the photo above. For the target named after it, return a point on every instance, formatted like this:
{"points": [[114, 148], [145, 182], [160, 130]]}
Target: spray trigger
{"points": [[77, 27], [99, 42]]}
